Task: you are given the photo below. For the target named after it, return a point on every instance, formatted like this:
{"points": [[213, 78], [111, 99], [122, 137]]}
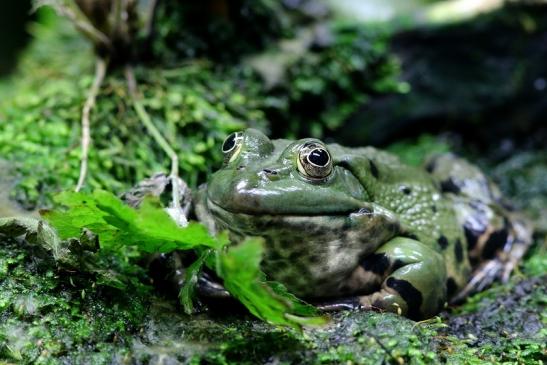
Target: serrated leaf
{"points": [[239, 267], [149, 227]]}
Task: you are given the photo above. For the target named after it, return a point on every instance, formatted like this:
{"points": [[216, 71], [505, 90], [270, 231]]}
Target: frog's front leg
{"points": [[411, 278]]}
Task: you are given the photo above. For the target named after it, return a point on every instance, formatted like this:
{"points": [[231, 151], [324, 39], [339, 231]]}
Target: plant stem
{"points": [[155, 133], [100, 72], [80, 22]]}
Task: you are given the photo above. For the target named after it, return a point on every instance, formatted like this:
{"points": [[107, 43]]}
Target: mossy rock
{"points": [[50, 316]]}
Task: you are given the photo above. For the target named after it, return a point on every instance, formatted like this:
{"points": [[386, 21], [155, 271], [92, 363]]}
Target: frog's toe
{"points": [[503, 262], [483, 277], [350, 303], [208, 287]]}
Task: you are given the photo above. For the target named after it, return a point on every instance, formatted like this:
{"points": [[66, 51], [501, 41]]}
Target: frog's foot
{"points": [[500, 267], [165, 187], [210, 288], [154, 185], [411, 278], [337, 305]]}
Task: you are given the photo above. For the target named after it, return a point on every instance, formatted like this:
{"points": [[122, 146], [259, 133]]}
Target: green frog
{"points": [[357, 228]]}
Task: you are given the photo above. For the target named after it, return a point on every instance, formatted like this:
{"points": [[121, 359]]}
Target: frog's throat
{"points": [[313, 227]]}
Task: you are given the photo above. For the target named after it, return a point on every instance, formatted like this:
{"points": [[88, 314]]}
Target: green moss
{"points": [[194, 105], [322, 89], [48, 314]]}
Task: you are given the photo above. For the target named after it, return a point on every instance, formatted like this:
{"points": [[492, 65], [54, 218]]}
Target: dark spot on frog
{"points": [[434, 209], [344, 164], [377, 263], [374, 169], [405, 190], [458, 250], [443, 242], [471, 236], [394, 227], [495, 242], [448, 186], [411, 236], [451, 287], [397, 265], [410, 294], [240, 167]]}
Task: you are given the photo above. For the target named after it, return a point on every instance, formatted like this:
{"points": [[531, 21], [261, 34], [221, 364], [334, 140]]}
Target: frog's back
{"points": [[449, 205], [414, 195]]}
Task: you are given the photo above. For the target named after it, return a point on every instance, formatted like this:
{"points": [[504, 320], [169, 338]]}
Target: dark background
{"points": [[14, 17]]}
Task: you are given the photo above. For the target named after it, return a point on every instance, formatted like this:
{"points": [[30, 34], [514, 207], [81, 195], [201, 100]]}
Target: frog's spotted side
{"points": [[357, 224]]}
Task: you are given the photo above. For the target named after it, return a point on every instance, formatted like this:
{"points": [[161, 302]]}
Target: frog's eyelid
{"points": [[235, 142], [236, 139]]}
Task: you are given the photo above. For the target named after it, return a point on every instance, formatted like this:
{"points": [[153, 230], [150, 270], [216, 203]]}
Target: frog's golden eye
{"points": [[232, 146], [314, 161]]}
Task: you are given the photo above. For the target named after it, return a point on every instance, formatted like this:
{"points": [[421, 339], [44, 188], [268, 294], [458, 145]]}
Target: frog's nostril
{"points": [[270, 172]]}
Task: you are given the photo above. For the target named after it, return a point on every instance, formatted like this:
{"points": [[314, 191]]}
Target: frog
{"points": [[356, 228]]}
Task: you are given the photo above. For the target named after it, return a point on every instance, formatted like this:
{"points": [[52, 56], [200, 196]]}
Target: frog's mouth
{"points": [[257, 211], [255, 224]]}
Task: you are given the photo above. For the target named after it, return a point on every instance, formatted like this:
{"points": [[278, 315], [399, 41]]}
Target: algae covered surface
{"points": [[51, 316], [108, 309]]}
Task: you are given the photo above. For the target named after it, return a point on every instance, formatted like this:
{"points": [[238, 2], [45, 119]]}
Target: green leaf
{"points": [[188, 290], [239, 267], [149, 227]]}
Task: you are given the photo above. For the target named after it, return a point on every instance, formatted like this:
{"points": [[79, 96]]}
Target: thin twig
{"points": [[100, 72], [155, 133]]}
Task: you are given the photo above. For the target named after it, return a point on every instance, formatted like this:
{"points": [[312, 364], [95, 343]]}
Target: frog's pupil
{"points": [[319, 157], [229, 143]]}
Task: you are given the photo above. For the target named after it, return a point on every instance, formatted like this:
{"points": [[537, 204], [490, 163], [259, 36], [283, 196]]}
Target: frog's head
{"points": [[312, 211], [281, 177]]}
